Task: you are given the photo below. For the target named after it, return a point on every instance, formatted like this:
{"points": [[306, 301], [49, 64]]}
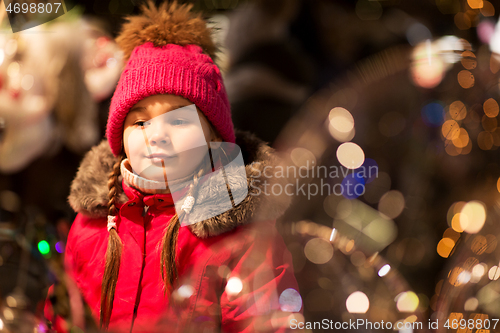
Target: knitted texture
{"points": [[171, 69]]}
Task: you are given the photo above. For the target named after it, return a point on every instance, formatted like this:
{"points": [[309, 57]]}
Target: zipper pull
{"points": [[145, 211]]}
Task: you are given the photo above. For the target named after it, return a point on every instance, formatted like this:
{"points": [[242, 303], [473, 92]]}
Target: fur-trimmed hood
{"points": [[89, 190]]}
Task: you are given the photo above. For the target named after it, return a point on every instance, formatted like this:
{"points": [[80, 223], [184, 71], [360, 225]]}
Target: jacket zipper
{"points": [[145, 211]]}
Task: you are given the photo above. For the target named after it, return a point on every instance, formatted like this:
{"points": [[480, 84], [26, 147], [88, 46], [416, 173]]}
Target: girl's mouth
{"points": [[159, 158]]}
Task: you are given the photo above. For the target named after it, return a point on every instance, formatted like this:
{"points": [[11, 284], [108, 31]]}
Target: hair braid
{"points": [[168, 253], [113, 252]]}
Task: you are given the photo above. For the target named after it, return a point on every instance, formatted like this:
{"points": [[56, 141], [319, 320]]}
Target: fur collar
{"points": [[89, 190]]}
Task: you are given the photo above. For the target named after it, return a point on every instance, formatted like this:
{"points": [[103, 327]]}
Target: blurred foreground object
{"points": [[50, 78], [468, 296], [375, 161]]}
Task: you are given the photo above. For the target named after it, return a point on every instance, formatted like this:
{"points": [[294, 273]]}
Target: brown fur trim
{"points": [[89, 189], [170, 23]]}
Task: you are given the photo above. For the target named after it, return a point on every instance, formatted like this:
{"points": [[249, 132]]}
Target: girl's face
{"points": [[165, 137]]}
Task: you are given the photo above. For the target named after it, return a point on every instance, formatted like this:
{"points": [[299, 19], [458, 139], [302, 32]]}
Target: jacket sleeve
{"points": [[261, 292]]}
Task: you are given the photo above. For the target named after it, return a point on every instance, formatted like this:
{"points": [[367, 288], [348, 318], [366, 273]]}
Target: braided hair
{"points": [[168, 252], [113, 252]]}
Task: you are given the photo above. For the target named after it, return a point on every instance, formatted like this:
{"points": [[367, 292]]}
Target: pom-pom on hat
{"points": [[169, 51]]}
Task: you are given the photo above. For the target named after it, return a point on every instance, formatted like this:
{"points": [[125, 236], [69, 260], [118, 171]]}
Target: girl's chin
{"points": [[159, 176]]}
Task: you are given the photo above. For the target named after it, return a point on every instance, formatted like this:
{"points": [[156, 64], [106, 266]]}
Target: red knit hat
{"points": [[170, 47]]}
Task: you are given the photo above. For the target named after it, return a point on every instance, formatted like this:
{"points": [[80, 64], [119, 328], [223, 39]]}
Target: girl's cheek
{"points": [[187, 139], [136, 144]]}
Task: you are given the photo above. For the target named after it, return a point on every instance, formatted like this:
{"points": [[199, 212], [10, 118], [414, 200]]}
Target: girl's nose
{"points": [[159, 140], [158, 136]]}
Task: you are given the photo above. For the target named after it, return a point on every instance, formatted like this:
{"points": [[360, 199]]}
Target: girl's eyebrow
{"points": [[173, 107]]}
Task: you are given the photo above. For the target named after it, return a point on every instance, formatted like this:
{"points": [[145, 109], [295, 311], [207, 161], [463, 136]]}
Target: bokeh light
{"points": [[407, 301], [472, 217], [8, 314], [433, 114], [341, 124], [234, 286], [479, 244], [341, 120], [290, 300], [44, 247], [358, 258], [445, 246], [450, 129], [475, 4], [468, 60], [333, 234], [465, 79], [454, 209], [451, 234], [489, 124], [494, 273], [458, 110], [185, 291], [491, 242], [427, 69], [318, 251], [464, 277], [392, 204], [357, 302], [350, 155], [485, 140], [384, 270], [462, 140], [471, 304], [478, 272], [488, 9], [490, 107], [60, 247], [452, 150]]}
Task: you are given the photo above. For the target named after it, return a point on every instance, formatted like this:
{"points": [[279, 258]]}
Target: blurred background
{"points": [[408, 89]]}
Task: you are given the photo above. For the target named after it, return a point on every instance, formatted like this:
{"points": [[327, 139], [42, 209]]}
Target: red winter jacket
{"points": [[235, 273]]}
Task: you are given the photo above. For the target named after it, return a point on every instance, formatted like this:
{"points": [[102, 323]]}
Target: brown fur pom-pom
{"points": [[170, 23]]}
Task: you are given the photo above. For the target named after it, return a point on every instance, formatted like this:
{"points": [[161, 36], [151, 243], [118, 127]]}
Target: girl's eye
{"points": [[178, 122], [141, 123]]}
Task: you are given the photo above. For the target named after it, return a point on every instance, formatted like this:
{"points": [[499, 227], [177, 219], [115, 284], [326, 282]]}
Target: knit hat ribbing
{"points": [[168, 68]]}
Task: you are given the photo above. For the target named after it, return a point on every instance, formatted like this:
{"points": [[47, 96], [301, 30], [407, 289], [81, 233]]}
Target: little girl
{"points": [[170, 235]]}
